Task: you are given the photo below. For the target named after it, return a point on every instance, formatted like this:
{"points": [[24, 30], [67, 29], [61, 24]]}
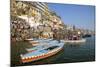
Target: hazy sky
{"points": [[82, 16]]}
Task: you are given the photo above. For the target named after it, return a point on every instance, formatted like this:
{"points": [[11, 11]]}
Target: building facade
{"points": [[41, 20]]}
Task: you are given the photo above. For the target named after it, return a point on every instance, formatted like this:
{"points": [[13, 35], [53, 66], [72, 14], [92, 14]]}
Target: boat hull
{"points": [[48, 54], [75, 41]]}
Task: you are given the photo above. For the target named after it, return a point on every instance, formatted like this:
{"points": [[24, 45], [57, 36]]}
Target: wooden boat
{"points": [[35, 42], [86, 35], [75, 41], [30, 39], [40, 52]]}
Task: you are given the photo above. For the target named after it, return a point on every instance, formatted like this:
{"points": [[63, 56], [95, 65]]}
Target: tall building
{"points": [[38, 16]]}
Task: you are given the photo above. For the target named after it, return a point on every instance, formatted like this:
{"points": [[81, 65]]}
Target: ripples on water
{"points": [[71, 53]]}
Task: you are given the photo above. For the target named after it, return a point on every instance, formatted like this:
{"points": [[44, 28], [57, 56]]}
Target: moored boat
{"points": [[75, 41], [36, 42], [42, 51], [86, 35]]}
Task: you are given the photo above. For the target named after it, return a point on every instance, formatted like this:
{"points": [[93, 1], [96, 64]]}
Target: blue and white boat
{"points": [[42, 51]]}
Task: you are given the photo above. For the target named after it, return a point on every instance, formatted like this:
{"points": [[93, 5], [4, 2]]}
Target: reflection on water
{"points": [[71, 53]]}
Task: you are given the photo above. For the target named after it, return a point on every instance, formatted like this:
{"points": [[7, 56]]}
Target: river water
{"points": [[82, 52]]}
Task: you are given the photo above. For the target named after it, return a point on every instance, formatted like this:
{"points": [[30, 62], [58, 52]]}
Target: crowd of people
{"points": [[19, 29]]}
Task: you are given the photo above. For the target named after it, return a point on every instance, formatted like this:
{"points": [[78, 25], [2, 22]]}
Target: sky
{"points": [[82, 16]]}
